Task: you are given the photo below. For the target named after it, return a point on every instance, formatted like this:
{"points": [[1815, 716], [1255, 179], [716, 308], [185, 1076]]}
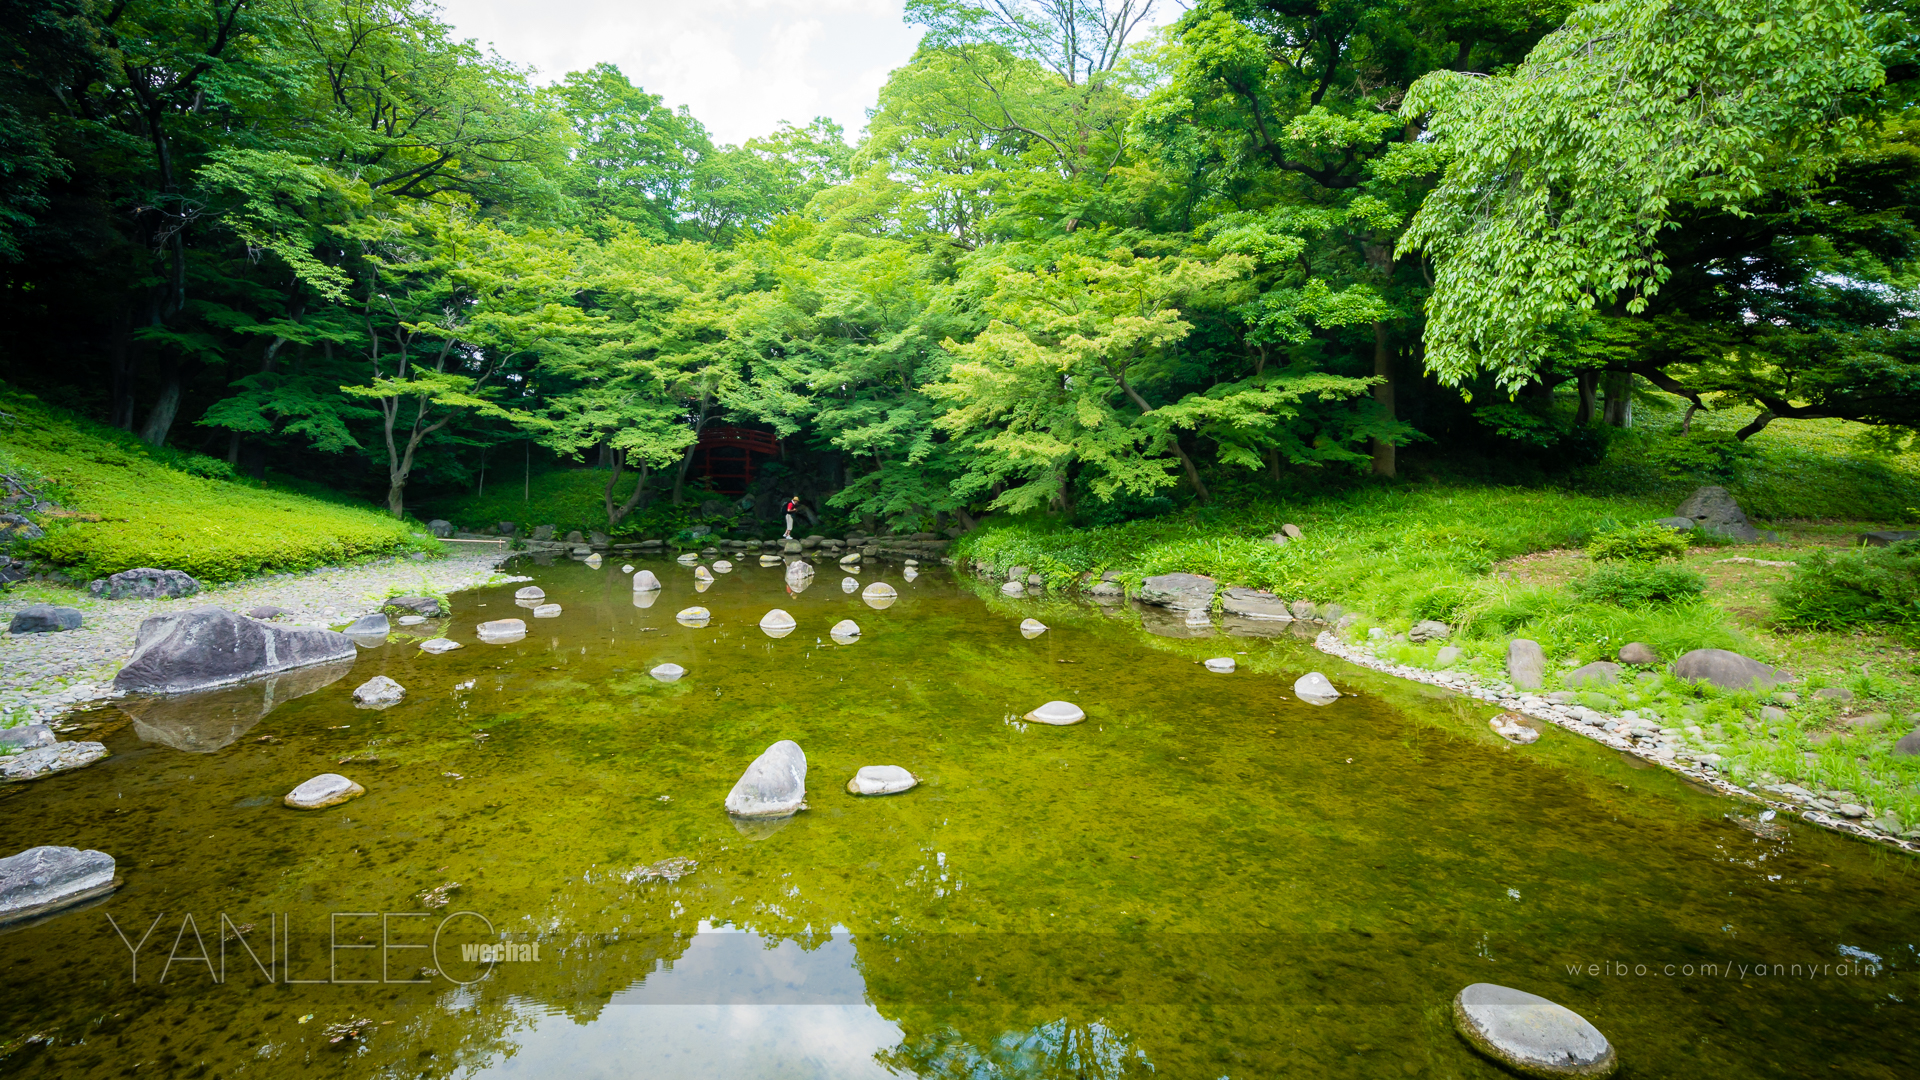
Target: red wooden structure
{"points": [[725, 456]]}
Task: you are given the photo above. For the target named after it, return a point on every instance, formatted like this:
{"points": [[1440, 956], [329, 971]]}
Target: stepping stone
{"points": [[1314, 689], [412, 620], [879, 595], [850, 560], [626, 568], [846, 632], [722, 566], [378, 692], [881, 780], [777, 623], [775, 785], [531, 592], [593, 561], [42, 880], [912, 562], [1057, 713], [688, 559], [547, 611], [327, 789], [1531, 1035], [693, 616], [1013, 588], [771, 560], [910, 573], [800, 568], [496, 628], [374, 625], [1032, 628], [1220, 665], [702, 574], [438, 645], [668, 672], [644, 581], [849, 585]]}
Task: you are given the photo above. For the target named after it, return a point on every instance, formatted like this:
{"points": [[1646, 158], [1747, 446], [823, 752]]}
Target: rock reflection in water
{"points": [[205, 722]]}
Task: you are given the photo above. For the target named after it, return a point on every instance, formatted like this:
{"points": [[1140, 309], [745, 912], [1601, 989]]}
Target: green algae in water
{"points": [[1206, 878]]}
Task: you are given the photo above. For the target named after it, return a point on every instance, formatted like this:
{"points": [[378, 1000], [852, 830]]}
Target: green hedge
{"points": [[170, 510]]}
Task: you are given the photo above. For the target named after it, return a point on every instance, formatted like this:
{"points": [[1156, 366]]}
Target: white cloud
{"points": [[742, 66]]}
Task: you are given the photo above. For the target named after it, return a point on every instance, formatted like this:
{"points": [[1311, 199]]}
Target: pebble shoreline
{"points": [[1656, 750], [49, 675]]}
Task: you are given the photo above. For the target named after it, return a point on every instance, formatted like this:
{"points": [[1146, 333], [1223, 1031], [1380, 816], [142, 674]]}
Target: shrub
{"points": [[1872, 585], [1640, 584], [1638, 543]]}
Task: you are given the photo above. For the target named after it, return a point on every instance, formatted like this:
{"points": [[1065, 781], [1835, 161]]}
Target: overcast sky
{"points": [[741, 65]]}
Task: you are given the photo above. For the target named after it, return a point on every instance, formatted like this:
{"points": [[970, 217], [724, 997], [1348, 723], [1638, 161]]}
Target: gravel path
{"points": [[43, 676]]}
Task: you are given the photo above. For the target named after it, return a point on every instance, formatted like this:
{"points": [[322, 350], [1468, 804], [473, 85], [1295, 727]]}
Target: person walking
{"points": [[793, 507]]}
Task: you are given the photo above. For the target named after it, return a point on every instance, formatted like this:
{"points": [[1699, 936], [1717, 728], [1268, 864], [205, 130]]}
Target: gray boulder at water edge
{"points": [[1314, 689], [881, 780], [417, 605], [1728, 670], [43, 761], [1253, 604], [775, 785], [1531, 1035], [43, 619], [374, 625], [1526, 663], [145, 583], [42, 880], [209, 646], [1182, 592]]}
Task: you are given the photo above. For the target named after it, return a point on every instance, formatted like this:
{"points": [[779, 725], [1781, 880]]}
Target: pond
{"points": [[1207, 878]]}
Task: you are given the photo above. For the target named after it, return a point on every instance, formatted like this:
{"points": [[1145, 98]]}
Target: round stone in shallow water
{"points": [[1032, 628], [881, 780], [1221, 665], [701, 573], [1531, 1035], [327, 789], [771, 560], [688, 559], [777, 623], [702, 584], [722, 566], [1057, 713], [1314, 689], [775, 785], [668, 672], [849, 585], [378, 692], [438, 645], [627, 569], [547, 611], [910, 573], [500, 629], [846, 632], [645, 598], [879, 595], [693, 616], [412, 620], [645, 581], [1013, 588], [531, 592]]}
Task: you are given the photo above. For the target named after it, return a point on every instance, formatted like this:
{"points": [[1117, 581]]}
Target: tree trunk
{"points": [[1617, 409], [165, 407], [396, 493], [1383, 458], [1587, 381], [680, 474], [617, 512]]}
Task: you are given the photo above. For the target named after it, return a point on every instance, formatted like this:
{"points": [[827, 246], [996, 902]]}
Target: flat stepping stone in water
{"points": [[412, 620], [1032, 628], [775, 785], [378, 692], [722, 566], [771, 560], [850, 560], [531, 592], [439, 645], [42, 880], [644, 581], [881, 780], [849, 585], [1013, 588], [668, 672], [701, 573], [1314, 689], [501, 628], [777, 623], [1531, 1035], [1057, 713], [547, 611], [1516, 728], [374, 625], [879, 595], [593, 561], [47, 760], [627, 568], [1220, 665], [846, 632], [688, 559], [693, 616], [327, 789]]}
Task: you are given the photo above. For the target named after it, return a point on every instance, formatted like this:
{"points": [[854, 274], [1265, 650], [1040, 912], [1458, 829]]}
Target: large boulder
{"points": [[1887, 537], [44, 619], [1182, 592], [1713, 509], [210, 720], [1728, 670], [45, 879], [1531, 1035], [207, 647], [145, 583], [1526, 663], [440, 528], [775, 785], [374, 624], [1254, 604]]}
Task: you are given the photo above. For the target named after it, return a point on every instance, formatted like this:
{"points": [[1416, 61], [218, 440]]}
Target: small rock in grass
{"points": [[1909, 745], [1032, 628], [1773, 714], [1057, 713], [881, 780], [1291, 529], [1447, 656], [645, 581], [327, 789], [846, 632], [1314, 689], [1526, 663], [1638, 653], [1429, 630], [438, 645], [145, 583], [42, 880], [1530, 1034], [775, 785], [668, 672], [693, 616], [1220, 665], [531, 592], [378, 692], [1833, 693], [1598, 673], [547, 611], [1728, 670]]}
